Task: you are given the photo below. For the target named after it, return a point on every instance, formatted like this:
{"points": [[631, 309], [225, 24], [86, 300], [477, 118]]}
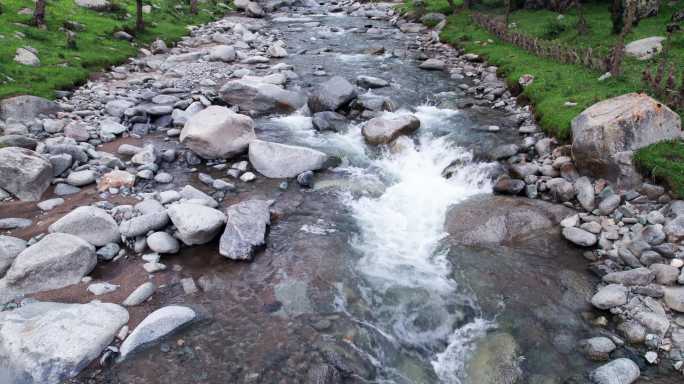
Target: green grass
{"points": [[557, 83], [439, 6], [61, 67], [664, 162]]}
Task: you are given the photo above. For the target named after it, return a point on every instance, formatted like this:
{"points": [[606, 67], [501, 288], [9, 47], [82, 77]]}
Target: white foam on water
{"points": [[450, 365]]}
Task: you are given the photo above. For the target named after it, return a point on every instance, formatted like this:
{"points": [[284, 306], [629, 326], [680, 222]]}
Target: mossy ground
{"points": [[62, 67], [556, 83]]}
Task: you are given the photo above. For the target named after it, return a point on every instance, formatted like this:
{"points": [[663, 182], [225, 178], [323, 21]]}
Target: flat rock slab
{"points": [[196, 224], [47, 343], [278, 161], [24, 173], [245, 229]]}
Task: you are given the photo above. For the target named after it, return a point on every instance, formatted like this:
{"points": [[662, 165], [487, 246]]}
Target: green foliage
{"points": [[664, 162], [62, 67], [554, 28]]}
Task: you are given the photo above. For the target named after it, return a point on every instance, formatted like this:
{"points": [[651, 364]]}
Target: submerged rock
{"points": [[332, 95], [495, 360], [618, 371]]}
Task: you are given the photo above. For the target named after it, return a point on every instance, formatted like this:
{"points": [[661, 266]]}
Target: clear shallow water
{"points": [[357, 274]]}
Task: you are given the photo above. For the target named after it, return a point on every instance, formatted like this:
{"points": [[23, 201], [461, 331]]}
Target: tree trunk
{"points": [[616, 14], [193, 7], [139, 22], [467, 4], [508, 11], [582, 26], [39, 14]]}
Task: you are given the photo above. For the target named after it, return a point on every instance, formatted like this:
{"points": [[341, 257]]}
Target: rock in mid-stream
{"points": [[245, 229], [218, 132], [158, 324], [284, 161]]}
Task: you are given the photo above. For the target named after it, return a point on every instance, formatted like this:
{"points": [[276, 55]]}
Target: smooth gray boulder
{"points": [[618, 371], [636, 276], [612, 295], [140, 225], [195, 223], [26, 107], [24, 173], [605, 135], [91, 224], [225, 53], [433, 65], [585, 193], [278, 161], [332, 95], [48, 343], [245, 229], [96, 5], [57, 260], [156, 325], [674, 298], [384, 129], [162, 242], [261, 98], [597, 348], [191, 193], [10, 247], [646, 48], [218, 132]]}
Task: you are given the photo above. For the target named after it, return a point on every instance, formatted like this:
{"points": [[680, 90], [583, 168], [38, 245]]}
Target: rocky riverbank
{"points": [[140, 190]]}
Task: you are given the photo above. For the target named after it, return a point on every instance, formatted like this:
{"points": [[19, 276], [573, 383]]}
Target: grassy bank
{"points": [[63, 67], [558, 86]]}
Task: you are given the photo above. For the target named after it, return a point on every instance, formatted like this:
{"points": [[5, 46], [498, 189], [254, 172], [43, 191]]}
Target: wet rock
{"points": [[371, 82], [579, 236], [91, 224], [196, 224], [618, 371], [332, 95], [140, 294], [108, 252], [10, 247], [597, 348], [384, 129], [610, 296], [24, 173], [276, 161], [508, 186], [141, 225], [158, 324], [504, 151], [162, 242], [619, 125], [57, 260], [218, 132], [609, 204], [509, 219], [245, 229], [49, 343], [261, 98], [329, 121], [495, 360]]}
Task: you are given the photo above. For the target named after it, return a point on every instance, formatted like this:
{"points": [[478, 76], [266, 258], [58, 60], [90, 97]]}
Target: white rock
{"points": [[158, 324]]}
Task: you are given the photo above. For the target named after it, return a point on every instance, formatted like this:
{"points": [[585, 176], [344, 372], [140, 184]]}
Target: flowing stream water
{"points": [[357, 274]]}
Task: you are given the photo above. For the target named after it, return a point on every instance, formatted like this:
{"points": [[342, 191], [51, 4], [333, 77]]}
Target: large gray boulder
{"points": [[508, 220], [156, 325], [57, 260], [605, 135], [47, 343], [24, 173], [332, 94], [26, 107], [10, 247], [384, 129], [259, 98], [644, 49], [142, 224], [618, 371], [218, 132], [195, 223], [245, 229], [91, 224], [284, 161]]}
